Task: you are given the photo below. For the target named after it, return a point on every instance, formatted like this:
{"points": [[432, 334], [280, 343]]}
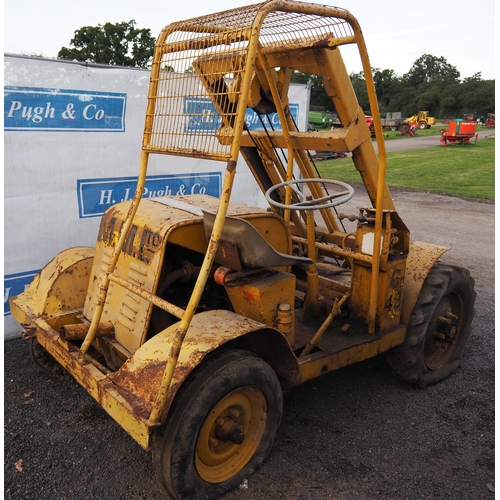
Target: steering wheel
{"points": [[336, 198]]}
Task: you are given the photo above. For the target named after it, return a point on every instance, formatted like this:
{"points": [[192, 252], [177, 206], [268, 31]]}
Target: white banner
{"points": [[73, 135]]}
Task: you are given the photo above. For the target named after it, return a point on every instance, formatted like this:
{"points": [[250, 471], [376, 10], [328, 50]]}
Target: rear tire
{"points": [[43, 359], [221, 426], [404, 128], [438, 329]]}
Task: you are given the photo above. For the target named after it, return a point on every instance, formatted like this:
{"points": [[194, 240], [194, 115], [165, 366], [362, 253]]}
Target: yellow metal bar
{"points": [[150, 297], [336, 250], [96, 318], [337, 304], [183, 325], [381, 182], [284, 124], [337, 140], [311, 304]]}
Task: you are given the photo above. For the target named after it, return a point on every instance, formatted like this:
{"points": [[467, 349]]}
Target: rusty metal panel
{"points": [[421, 258], [125, 408], [142, 373], [257, 296], [176, 219], [60, 286], [389, 296], [314, 365]]}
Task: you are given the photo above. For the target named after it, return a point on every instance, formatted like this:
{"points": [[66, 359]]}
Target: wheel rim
{"points": [[231, 434], [444, 331]]}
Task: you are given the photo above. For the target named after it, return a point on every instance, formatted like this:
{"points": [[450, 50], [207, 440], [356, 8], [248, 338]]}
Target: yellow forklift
{"points": [[193, 313]]}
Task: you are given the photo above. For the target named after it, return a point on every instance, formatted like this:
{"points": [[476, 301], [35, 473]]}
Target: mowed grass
{"points": [[456, 170]]}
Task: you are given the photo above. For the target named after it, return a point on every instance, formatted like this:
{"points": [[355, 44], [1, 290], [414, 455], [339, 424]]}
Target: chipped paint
{"points": [[420, 260]]}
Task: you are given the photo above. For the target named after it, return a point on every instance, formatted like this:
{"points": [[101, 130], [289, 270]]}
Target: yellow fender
{"points": [[421, 258], [142, 373], [59, 287]]}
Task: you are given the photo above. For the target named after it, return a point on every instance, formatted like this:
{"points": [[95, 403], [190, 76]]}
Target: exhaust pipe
{"points": [[79, 331]]}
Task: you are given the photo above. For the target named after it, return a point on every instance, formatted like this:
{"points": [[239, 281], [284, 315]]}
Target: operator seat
{"points": [[242, 247]]}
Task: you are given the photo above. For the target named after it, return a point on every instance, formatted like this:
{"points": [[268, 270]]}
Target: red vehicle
{"points": [[369, 122], [459, 132], [490, 122], [392, 122]]}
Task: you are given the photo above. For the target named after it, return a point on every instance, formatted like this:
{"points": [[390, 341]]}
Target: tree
{"points": [[477, 93], [431, 69], [119, 44], [319, 96], [387, 86], [359, 85]]}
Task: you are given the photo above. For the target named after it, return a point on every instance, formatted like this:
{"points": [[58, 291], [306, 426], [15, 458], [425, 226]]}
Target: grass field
{"points": [[456, 170]]}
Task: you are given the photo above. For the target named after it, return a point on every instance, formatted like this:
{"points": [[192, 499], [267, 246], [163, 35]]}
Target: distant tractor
{"points": [[392, 121], [490, 121], [477, 115], [422, 120]]}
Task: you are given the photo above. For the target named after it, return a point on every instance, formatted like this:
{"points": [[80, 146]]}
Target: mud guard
{"points": [[142, 373], [59, 287], [421, 258]]}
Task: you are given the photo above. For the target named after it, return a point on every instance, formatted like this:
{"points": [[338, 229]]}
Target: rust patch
{"points": [[231, 165], [141, 242], [140, 387], [321, 44], [140, 407], [142, 382]]}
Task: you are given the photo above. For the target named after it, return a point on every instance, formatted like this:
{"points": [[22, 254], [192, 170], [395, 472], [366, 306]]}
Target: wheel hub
{"points": [[231, 434], [229, 430], [441, 340], [446, 330]]}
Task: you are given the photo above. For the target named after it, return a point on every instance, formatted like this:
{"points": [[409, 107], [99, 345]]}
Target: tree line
{"points": [[431, 84]]}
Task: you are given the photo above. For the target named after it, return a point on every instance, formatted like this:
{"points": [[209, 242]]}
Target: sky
{"points": [[397, 32]]}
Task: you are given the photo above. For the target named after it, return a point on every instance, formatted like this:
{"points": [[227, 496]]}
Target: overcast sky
{"points": [[397, 32]]}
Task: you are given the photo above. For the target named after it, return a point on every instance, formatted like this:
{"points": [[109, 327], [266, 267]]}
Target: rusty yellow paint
{"points": [[314, 365], [126, 409], [237, 59], [259, 298], [420, 260], [143, 254], [389, 297], [61, 286], [110, 263], [143, 372]]}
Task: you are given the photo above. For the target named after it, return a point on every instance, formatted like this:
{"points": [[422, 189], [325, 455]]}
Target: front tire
{"points": [[438, 328], [221, 427]]}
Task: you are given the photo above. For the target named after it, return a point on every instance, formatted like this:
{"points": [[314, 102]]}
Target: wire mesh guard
{"points": [[199, 67]]}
